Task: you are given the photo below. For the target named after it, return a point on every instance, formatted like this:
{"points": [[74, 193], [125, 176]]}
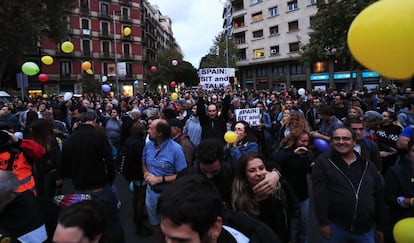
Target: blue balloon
{"points": [[136, 83], [321, 145], [106, 88]]}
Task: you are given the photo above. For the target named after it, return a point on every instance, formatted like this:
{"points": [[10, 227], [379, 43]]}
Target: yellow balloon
{"points": [[403, 231], [44, 96], [230, 137], [127, 31], [174, 96], [67, 47], [381, 38], [47, 60], [86, 65], [89, 71]]}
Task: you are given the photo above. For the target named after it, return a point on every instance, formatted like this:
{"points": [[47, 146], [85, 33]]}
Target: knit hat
{"points": [[371, 116]]}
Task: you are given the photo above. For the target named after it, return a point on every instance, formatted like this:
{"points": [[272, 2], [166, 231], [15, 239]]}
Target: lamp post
{"points": [[115, 50]]}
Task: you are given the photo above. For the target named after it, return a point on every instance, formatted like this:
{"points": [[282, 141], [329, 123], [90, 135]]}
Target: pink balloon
{"points": [[174, 62], [153, 69], [43, 77], [172, 84]]}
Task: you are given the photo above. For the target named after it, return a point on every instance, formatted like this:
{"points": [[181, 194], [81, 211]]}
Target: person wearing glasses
{"points": [[349, 193]]}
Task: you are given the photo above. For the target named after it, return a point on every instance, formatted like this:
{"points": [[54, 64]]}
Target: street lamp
{"points": [[115, 50]]}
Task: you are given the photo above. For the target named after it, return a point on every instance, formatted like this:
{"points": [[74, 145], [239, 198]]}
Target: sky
{"points": [[195, 24]]}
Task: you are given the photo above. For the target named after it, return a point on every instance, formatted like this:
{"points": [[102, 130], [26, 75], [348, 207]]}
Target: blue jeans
{"points": [[109, 200], [339, 235], [298, 224], [151, 200]]}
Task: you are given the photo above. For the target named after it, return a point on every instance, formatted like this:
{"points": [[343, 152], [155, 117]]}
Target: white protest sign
{"points": [[250, 115], [215, 78]]}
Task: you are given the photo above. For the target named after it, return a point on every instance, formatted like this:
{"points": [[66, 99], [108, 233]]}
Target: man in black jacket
{"points": [[349, 193], [87, 158], [213, 123]]}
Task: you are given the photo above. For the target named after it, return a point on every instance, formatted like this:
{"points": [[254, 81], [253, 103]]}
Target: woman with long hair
{"points": [[48, 171], [295, 159], [271, 208], [246, 141], [296, 121]]}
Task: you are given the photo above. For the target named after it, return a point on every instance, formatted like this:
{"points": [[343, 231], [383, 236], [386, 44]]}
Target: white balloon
{"points": [[67, 96], [104, 78], [301, 91], [174, 62]]}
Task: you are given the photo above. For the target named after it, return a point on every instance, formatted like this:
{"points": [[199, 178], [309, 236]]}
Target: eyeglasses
{"points": [[345, 139]]}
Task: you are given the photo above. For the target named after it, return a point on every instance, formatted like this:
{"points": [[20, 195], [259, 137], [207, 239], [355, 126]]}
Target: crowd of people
{"points": [[361, 185]]}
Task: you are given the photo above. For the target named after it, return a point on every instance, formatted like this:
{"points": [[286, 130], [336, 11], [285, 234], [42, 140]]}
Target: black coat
{"points": [[357, 208], [87, 158]]}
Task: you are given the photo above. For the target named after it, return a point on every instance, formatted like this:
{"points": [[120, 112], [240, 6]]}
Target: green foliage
{"points": [[217, 55], [328, 39], [167, 72], [90, 84], [24, 21]]}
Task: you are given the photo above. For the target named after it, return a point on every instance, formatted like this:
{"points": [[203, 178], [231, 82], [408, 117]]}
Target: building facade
{"points": [[96, 29], [269, 36]]}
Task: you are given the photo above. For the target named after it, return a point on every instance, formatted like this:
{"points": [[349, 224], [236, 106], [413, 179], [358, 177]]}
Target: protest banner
{"points": [[250, 115], [215, 78]]}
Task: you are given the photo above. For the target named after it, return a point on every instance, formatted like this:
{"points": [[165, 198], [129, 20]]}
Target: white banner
{"points": [[215, 78], [122, 69], [250, 115]]}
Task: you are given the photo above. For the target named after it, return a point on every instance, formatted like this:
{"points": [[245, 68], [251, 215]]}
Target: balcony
{"points": [[85, 11], [126, 2]]}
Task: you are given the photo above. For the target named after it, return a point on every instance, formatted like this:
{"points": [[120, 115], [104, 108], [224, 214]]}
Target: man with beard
{"points": [[162, 159]]}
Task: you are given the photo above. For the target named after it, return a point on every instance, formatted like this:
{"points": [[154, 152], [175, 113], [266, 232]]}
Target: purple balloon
{"points": [[106, 88], [321, 145]]}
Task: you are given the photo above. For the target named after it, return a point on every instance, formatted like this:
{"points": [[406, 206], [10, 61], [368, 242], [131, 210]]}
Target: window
{"points": [[86, 47], [311, 22], [85, 24], [84, 4], [127, 49], [296, 69], [278, 69], [274, 50], [312, 1], [261, 71], [292, 5], [293, 26], [240, 38], [104, 9], [105, 28], [274, 30], [273, 11], [258, 53], [256, 1], [257, 34], [294, 47], [257, 17], [105, 48], [129, 69], [249, 73], [125, 13], [320, 67], [65, 68]]}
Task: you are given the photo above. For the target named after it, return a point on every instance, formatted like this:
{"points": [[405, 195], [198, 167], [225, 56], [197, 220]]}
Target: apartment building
{"points": [[269, 35], [96, 31]]}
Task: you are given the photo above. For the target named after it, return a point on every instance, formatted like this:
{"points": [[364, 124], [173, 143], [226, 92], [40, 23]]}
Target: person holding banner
{"points": [[246, 142], [212, 124]]}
